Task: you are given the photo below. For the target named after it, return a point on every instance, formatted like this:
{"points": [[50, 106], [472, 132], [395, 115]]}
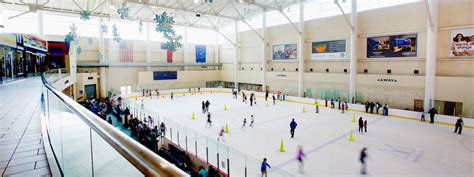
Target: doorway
{"points": [[90, 91]]}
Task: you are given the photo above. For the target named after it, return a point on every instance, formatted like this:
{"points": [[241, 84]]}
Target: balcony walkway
{"points": [[21, 144]]}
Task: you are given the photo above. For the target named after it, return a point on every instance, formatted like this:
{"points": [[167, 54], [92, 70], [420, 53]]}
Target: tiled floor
{"points": [[21, 145]]}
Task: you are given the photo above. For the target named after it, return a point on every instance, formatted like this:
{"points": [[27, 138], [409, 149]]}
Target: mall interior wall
{"points": [[332, 75]]}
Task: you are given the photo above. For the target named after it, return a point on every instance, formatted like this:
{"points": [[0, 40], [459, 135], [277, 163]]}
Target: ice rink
{"points": [[396, 147]]}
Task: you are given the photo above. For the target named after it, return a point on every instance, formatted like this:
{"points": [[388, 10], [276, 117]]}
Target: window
{"points": [[127, 89]]}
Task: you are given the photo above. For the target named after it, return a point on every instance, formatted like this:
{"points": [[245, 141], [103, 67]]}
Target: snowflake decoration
{"points": [[79, 50], [165, 25], [140, 26], [104, 28], [123, 11], [72, 35], [85, 15], [116, 34]]}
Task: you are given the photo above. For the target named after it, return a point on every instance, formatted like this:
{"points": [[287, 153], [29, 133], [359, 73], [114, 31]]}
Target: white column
{"points": [[237, 55], [216, 52], [39, 14], [2, 16], [148, 45], [264, 51], [431, 45], [353, 55], [301, 51], [103, 60], [186, 48]]}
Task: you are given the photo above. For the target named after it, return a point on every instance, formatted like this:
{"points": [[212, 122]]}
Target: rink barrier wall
{"points": [[396, 113]]}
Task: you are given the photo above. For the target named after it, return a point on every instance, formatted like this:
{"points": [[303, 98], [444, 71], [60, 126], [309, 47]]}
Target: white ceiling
{"points": [[213, 14]]}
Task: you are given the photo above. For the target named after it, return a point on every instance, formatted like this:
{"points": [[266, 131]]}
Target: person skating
{"points": [[245, 122], [221, 135], [251, 99], [361, 125], [459, 124], [365, 125], [293, 125], [432, 115], [339, 103], [172, 94], [371, 105], [207, 105], [422, 116], [266, 95], [300, 155], [162, 129], [252, 120], [263, 167], [273, 97], [363, 161], [367, 107], [203, 106], [377, 107], [343, 107], [209, 122], [317, 106]]}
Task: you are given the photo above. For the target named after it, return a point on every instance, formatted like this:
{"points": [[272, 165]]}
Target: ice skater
{"points": [[365, 125], [203, 106], [458, 126], [273, 97], [266, 95], [263, 167], [209, 122], [363, 161], [300, 155], [343, 107], [422, 116], [317, 106], [432, 115], [251, 99], [162, 129], [293, 125], [142, 105], [207, 104], [221, 135], [252, 120], [361, 125], [172, 94], [245, 122]]}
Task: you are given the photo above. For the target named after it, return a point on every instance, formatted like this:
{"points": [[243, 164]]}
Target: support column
{"points": [[301, 51], [264, 51], [431, 44], [2, 16], [103, 60], [39, 14], [216, 53], [148, 46], [353, 55], [237, 55], [186, 48]]}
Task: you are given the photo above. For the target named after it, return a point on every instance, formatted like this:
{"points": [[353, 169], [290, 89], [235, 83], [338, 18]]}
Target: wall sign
{"points": [[165, 75], [386, 80], [335, 49], [462, 43], [200, 53], [284, 52], [34, 42], [392, 46]]}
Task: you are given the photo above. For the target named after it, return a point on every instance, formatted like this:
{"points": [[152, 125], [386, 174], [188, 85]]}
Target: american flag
{"points": [[126, 51]]}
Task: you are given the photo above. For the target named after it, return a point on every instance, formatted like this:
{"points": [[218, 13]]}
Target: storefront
{"points": [[8, 55], [35, 54]]}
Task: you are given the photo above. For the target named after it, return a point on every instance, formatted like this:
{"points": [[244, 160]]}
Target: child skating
{"points": [[209, 122], [221, 135], [245, 122], [252, 120]]}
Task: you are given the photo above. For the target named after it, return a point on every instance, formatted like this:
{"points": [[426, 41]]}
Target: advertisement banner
{"points": [[392, 46], [8, 39], [34, 42], [169, 56], [284, 52], [335, 49], [462, 43], [200, 53], [165, 75]]}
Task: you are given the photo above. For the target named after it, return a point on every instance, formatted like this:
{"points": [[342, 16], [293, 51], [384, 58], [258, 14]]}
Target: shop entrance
{"points": [[442, 107], [90, 91]]}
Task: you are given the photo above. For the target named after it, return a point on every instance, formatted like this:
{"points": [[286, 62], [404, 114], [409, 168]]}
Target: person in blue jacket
{"points": [[293, 125], [264, 166]]}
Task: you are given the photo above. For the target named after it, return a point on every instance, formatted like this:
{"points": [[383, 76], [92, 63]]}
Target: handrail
{"points": [[146, 161]]}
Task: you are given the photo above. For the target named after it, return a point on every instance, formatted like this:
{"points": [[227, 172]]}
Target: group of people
{"points": [[432, 112], [362, 125], [251, 97], [252, 120], [371, 106], [149, 93]]}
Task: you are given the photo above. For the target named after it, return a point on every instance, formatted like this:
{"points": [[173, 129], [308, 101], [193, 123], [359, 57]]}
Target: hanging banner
{"points": [[165, 75], [392, 46], [200, 53], [284, 52], [169, 56], [462, 43], [328, 49], [34, 42], [8, 39]]}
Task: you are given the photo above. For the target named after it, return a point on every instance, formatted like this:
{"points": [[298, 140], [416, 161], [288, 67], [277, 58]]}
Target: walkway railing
{"points": [[83, 144]]}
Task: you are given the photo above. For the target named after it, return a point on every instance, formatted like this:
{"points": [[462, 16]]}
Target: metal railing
{"points": [[84, 144]]}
